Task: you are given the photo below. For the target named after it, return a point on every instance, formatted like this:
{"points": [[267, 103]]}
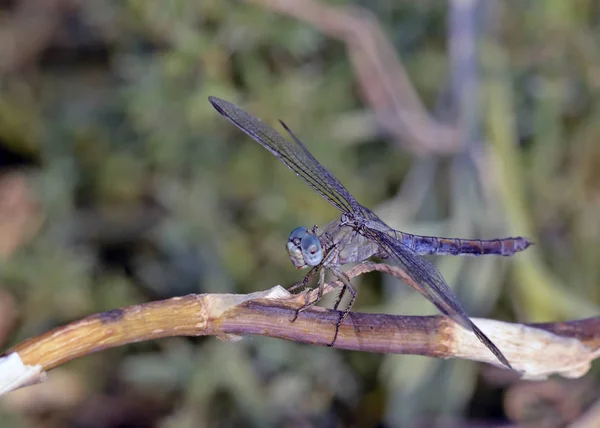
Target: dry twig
{"points": [[534, 351], [382, 77], [28, 30]]}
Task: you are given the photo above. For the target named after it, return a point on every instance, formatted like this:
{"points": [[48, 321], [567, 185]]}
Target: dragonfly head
{"points": [[304, 248]]}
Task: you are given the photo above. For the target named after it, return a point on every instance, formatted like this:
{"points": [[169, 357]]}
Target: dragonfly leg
{"points": [[297, 285], [347, 287], [304, 283], [307, 302]]}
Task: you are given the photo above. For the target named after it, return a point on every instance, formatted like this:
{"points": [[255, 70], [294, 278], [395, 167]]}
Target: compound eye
{"points": [[311, 250], [297, 235]]}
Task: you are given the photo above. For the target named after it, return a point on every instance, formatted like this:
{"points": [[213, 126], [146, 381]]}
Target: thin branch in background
{"points": [[28, 30], [462, 52], [382, 77]]}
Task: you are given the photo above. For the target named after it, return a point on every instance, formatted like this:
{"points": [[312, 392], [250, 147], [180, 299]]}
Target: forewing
{"points": [[431, 284], [293, 154]]}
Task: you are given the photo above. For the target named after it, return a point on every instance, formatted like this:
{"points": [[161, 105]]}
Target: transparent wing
{"points": [[293, 154], [431, 284]]}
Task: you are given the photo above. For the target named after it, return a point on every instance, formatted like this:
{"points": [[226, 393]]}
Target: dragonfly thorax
{"points": [[304, 248]]}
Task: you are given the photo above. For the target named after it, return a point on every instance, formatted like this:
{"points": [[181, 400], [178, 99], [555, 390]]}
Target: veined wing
{"points": [[293, 154], [431, 284]]}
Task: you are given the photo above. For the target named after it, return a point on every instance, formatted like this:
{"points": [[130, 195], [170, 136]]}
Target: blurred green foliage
{"points": [[147, 193]]}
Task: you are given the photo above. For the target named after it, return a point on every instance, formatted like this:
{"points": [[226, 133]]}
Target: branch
{"points": [[383, 80], [534, 351], [28, 30]]}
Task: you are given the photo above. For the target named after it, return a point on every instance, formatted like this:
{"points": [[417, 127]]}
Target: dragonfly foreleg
{"points": [[304, 283], [347, 287], [308, 303]]}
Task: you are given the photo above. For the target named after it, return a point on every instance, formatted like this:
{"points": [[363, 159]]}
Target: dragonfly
{"points": [[360, 234]]}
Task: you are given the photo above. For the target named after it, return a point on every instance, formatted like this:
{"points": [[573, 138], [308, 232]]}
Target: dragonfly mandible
{"points": [[360, 234]]}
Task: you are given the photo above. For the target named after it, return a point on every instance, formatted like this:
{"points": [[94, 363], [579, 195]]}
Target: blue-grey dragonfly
{"points": [[359, 234]]}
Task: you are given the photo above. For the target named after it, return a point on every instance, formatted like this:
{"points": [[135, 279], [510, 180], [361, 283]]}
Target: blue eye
{"points": [[304, 248], [297, 234], [293, 247], [311, 249]]}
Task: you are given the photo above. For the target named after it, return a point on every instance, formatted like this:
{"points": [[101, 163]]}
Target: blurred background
{"points": [[119, 184]]}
